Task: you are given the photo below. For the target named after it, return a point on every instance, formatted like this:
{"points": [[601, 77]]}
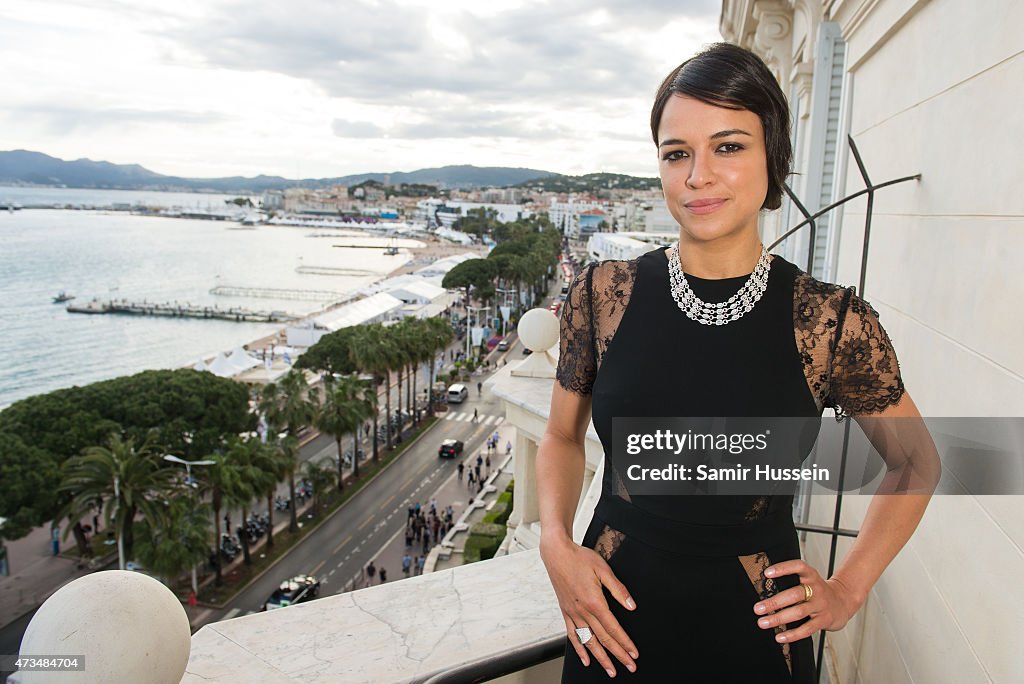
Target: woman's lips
{"points": [[705, 206]]}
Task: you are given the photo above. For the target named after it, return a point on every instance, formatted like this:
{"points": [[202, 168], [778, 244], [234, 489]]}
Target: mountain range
{"points": [[19, 167]]}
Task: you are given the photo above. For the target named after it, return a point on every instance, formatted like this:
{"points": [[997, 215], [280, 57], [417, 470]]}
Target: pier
{"points": [[175, 310], [279, 293]]}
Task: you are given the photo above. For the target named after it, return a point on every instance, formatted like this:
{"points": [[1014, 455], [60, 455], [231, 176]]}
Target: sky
{"points": [[322, 88]]}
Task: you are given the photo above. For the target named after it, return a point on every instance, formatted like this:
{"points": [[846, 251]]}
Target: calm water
{"points": [[119, 255]]}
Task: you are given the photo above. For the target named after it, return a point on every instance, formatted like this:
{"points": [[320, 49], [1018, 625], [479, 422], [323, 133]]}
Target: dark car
{"points": [[295, 590], [450, 448]]}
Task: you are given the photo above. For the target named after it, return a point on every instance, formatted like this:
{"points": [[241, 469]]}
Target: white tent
{"points": [[200, 366], [222, 367], [241, 360], [369, 310], [420, 292]]}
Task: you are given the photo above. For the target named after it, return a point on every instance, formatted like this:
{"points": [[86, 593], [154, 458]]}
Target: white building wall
{"points": [[932, 88]]}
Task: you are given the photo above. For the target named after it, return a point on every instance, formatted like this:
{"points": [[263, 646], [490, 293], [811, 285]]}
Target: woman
{"points": [[712, 588]]}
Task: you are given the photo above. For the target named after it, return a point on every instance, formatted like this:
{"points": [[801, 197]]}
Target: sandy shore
{"points": [[434, 248]]}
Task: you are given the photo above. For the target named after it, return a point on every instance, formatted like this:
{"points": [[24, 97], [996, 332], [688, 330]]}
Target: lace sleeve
{"points": [[865, 372], [577, 365]]}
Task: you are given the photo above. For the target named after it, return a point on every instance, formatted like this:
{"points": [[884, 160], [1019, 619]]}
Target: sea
{"points": [[106, 254]]}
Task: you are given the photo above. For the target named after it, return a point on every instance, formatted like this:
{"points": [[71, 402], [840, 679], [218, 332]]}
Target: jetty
{"points": [[176, 310], [278, 293]]}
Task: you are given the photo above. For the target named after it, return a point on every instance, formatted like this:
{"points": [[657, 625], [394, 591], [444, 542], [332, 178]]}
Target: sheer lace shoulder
{"points": [[593, 308], [865, 371], [848, 360]]}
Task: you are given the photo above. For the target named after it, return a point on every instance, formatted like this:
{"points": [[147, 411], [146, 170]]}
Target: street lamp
{"points": [[191, 483]]}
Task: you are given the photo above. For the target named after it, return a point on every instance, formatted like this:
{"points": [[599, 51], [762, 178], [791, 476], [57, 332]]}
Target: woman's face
{"points": [[714, 169]]}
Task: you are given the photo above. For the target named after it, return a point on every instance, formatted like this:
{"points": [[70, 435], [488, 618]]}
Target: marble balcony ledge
{"points": [[401, 631]]}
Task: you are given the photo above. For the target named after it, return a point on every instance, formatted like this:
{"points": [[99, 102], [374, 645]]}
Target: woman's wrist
{"points": [[854, 597], [554, 539]]}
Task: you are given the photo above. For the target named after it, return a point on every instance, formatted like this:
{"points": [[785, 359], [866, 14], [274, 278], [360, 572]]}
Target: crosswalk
{"points": [[482, 419]]}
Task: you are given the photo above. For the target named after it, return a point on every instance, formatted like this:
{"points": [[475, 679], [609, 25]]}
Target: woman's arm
{"points": [[561, 461], [899, 434], [577, 574]]}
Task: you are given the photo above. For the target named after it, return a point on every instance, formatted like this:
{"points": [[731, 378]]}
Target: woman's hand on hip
{"points": [[578, 574], [830, 606]]}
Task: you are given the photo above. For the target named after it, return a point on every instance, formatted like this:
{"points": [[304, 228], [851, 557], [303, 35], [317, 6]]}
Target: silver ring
{"points": [[584, 634]]}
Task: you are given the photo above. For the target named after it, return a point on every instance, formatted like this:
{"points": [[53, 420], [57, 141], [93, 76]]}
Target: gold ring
{"points": [[808, 592]]}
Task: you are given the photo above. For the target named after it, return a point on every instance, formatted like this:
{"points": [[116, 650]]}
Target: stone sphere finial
{"points": [[129, 627], [538, 330]]}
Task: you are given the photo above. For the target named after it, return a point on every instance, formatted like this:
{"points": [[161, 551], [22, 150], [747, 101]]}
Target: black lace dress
{"points": [[694, 564]]}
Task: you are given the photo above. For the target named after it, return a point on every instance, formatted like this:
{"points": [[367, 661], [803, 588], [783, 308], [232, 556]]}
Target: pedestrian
{"points": [[487, 462], [470, 480], [383, 575], [426, 541], [479, 388], [192, 599], [408, 537], [227, 523], [416, 564], [422, 562], [461, 467], [433, 506], [371, 570], [478, 473], [436, 526], [476, 415], [417, 508], [479, 462], [508, 447], [412, 512], [406, 564]]}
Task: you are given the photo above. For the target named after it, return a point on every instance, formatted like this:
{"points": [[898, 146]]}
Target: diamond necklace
{"points": [[723, 312]]}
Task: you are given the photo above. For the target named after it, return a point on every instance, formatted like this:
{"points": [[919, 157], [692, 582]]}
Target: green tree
{"points": [[344, 410], [473, 274], [289, 409], [182, 540], [376, 353], [129, 480], [319, 474], [246, 454], [274, 462]]}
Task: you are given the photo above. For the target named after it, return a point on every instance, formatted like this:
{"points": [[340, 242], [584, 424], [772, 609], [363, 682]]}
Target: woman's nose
{"points": [[701, 171]]}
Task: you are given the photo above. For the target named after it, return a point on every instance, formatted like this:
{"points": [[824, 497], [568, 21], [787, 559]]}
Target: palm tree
{"points": [[229, 485], [246, 454], [374, 353], [274, 463], [343, 412], [288, 408], [129, 480], [319, 473], [171, 548]]}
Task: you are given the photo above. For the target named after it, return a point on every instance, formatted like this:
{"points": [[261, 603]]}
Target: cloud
{"points": [[459, 122], [63, 120], [390, 52]]}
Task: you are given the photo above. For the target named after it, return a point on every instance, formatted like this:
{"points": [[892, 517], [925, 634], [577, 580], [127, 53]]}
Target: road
{"points": [[346, 543]]}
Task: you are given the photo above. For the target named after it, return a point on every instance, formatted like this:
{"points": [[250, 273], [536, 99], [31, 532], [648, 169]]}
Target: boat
{"points": [[9, 206], [62, 297]]}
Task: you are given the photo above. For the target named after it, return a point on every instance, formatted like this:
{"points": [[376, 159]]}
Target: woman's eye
{"points": [[674, 155], [731, 147]]}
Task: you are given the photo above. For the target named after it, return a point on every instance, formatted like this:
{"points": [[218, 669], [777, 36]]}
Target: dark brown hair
{"points": [[726, 75]]}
